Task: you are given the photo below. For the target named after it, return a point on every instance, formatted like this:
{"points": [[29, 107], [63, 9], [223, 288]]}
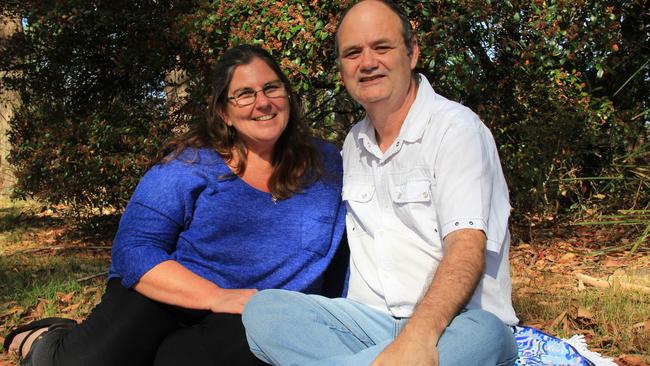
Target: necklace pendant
{"points": [[274, 199]]}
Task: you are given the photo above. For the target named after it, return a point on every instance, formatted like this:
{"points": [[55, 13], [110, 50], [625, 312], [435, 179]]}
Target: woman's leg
{"points": [[217, 340], [124, 329]]}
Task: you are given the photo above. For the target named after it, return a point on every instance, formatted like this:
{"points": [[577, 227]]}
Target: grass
{"points": [[51, 266], [612, 320], [548, 295], [48, 266]]}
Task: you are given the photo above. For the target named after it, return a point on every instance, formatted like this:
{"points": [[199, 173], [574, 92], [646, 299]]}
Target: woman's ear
{"points": [[224, 116]]}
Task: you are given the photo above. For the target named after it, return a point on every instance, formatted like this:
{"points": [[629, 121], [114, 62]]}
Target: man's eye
{"points": [[352, 54]]}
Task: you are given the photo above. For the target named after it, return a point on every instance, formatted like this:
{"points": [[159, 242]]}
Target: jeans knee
{"points": [[258, 306], [489, 329], [264, 309]]}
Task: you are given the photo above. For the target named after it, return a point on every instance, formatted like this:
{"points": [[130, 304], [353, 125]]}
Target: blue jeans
{"points": [[290, 328]]}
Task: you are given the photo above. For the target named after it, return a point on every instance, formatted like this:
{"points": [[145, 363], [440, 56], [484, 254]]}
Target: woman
{"points": [[245, 201]]}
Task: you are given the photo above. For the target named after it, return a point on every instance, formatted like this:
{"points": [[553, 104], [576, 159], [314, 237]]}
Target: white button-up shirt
{"points": [[442, 173]]}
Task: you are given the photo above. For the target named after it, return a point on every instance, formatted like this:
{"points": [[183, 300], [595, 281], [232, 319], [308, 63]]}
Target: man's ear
{"points": [[415, 53]]}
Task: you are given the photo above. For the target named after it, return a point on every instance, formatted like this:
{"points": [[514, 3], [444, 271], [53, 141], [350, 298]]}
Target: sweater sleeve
{"points": [[160, 208]]}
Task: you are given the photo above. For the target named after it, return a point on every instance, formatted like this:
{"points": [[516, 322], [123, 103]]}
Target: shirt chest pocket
{"points": [[418, 191], [317, 233], [358, 193], [413, 205]]}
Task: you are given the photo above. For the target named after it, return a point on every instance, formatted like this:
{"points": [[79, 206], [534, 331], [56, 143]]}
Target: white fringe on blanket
{"points": [[578, 342]]}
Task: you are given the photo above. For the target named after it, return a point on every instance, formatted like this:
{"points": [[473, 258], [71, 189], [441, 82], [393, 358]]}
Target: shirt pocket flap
{"points": [[414, 191], [358, 192]]}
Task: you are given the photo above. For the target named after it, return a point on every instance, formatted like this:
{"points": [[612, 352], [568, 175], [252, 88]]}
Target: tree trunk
{"points": [[9, 101]]}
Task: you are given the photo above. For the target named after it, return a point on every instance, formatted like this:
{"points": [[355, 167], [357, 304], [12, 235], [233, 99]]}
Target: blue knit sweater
{"points": [[195, 211]]}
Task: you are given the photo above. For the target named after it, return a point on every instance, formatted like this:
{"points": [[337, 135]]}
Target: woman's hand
{"points": [[231, 301]]}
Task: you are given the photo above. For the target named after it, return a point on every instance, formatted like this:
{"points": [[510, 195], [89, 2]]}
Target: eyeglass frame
{"points": [[278, 83]]}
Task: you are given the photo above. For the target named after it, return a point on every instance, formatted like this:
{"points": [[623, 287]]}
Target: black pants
{"points": [[127, 328]]}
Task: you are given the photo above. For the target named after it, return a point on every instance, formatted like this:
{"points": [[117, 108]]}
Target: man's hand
{"points": [[408, 350], [231, 301], [451, 288]]}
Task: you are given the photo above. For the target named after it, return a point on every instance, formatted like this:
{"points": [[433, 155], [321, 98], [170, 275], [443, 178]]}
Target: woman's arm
{"points": [[171, 283], [162, 206]]}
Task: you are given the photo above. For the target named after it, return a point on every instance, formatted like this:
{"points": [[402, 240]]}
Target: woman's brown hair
{"points": [[296, 161]]}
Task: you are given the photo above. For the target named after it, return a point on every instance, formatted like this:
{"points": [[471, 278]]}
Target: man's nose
{"points": [[368, 61]]}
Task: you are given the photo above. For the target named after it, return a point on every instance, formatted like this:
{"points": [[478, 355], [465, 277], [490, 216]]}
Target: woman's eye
{"points": [[245, 94]]}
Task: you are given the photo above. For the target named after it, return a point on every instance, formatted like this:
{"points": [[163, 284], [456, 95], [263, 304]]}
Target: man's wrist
{"points": [[423, 332]]}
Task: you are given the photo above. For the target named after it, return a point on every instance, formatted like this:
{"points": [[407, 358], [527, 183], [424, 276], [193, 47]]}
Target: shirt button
{"points": [[425, 195], [364, 195], [457, 223], [399, 195], [471, 222]]}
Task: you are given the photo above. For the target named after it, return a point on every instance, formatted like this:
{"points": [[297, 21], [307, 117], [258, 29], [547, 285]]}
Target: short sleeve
{"points": [[463, 179]]}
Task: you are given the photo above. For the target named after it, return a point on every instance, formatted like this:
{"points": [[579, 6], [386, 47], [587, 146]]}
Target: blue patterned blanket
{"points": [[538, 348]]}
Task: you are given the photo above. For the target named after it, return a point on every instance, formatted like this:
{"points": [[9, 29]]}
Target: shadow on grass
{"points": [[12, 218], [95, 227], [25, 279]]}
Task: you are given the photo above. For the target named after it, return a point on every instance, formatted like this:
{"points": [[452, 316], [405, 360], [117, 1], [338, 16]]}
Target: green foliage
{"points": [[90, 76], [563, 85]]}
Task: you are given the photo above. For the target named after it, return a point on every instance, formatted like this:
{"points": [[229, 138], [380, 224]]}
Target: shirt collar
{"points": [[367, 137], [420, 112], [416, 120]]}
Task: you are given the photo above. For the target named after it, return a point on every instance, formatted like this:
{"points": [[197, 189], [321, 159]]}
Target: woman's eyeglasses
{"points": [[247, 96]]}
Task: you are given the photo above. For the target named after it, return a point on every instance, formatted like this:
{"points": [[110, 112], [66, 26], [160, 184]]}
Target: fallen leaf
{"points": [[64, 297], [642, 326], [567, 258], [40, 309], [587, 333], [585, 313], [70, 308], [631, 360], [11, 311], [611, 262], [558, 319]]}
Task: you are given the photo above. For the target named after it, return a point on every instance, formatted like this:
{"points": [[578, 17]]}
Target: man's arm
{"points": [[452, 286]]}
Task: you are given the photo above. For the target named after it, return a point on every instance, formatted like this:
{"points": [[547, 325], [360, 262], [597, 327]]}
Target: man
{"points": [[427, 225]]}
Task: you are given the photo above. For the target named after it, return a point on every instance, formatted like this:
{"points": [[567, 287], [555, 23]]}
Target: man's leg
{"points": [[474, 337], [477, 337], [290, 328]]}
